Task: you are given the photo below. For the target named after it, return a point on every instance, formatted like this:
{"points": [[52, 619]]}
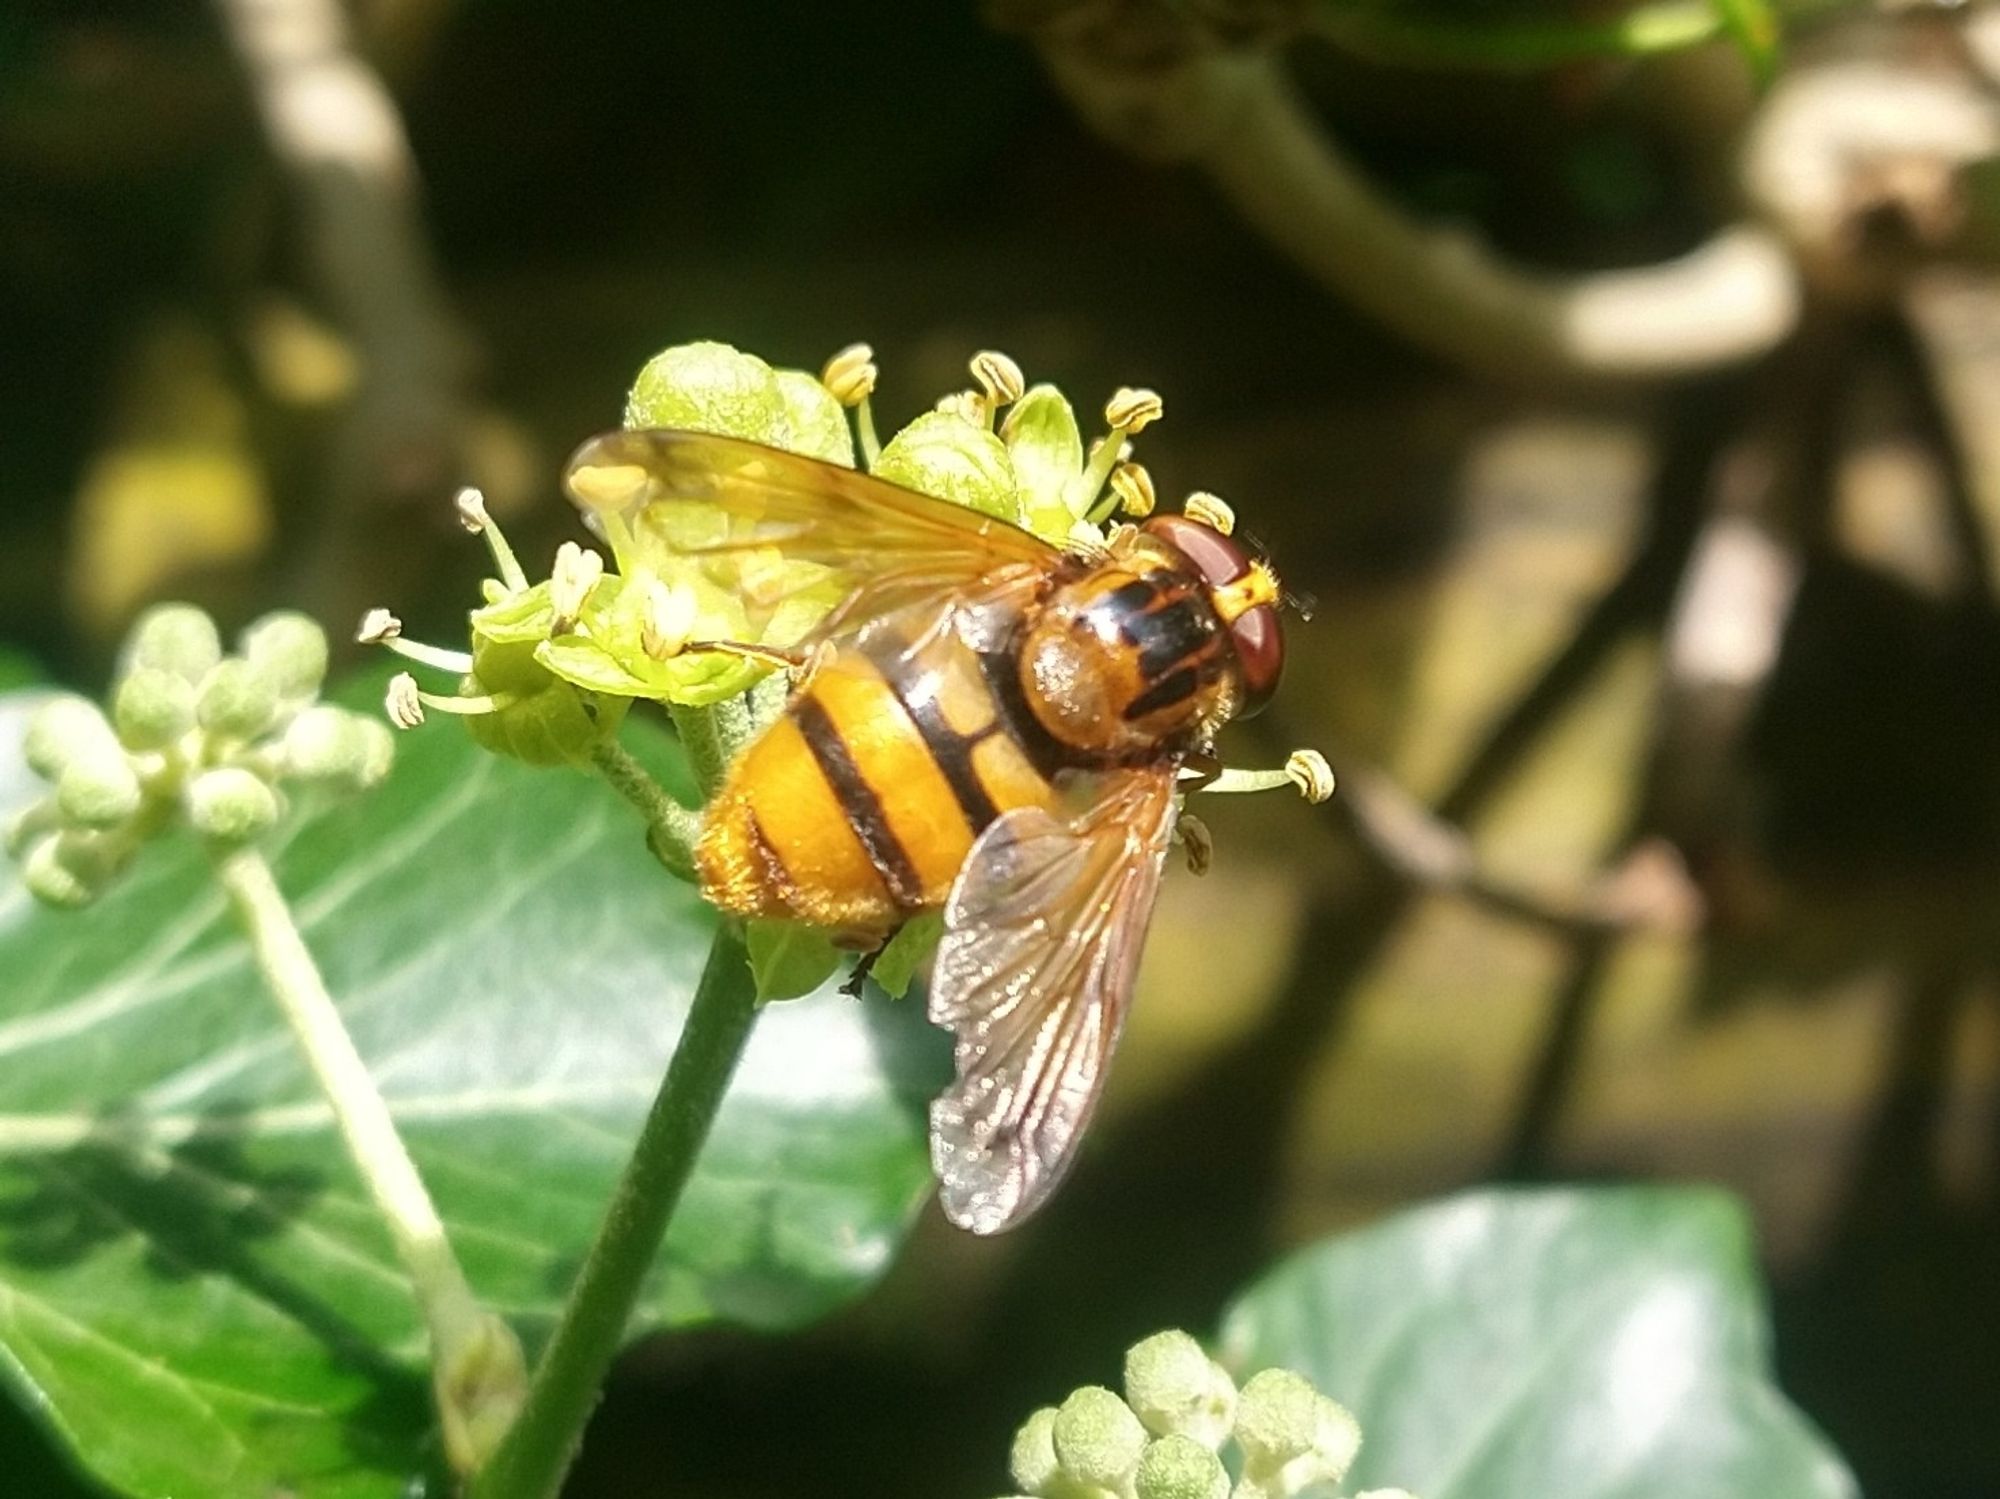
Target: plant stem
{"points": [[476, 1364], [531, 1462], [703, 738], [673, 829]]}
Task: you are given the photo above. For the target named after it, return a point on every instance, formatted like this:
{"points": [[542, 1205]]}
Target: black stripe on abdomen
{"points": [[1162, 694], [858, 800], [949, 750], [1044, 752]]}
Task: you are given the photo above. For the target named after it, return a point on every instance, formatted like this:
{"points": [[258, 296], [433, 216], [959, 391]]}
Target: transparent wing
{"points": [[1033, 977], [868, 546]]}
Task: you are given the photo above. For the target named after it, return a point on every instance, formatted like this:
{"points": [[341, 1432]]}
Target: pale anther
{"points": [[1211, 510], [669, 617], [1134, 488], [377, 626], [575, 574], [471, 507], [999, 377], [402, 702], [1311, 774], [850, 375], [966, 405], [1132, 410]]}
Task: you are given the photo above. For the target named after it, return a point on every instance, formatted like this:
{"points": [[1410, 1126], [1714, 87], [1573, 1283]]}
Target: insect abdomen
{"points": [[859, 806]]}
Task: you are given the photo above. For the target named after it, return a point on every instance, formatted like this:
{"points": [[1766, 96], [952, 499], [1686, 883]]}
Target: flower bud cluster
{"points": [[1183, 1429], [193, 737]]}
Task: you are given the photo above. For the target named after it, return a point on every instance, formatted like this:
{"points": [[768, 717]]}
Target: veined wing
{"points": [[870, 546], [1034, 975]]}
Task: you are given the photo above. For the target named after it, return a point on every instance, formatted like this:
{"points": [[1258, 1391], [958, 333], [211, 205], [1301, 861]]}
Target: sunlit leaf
{"points": [[1523, 1344], [195, 1295]]}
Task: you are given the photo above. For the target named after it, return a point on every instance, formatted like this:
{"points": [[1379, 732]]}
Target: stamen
{"points": [[967, 405], [850, 378], [575, 575], [473, 515], [1130, 490], [1211, 510], [1131, 411], [1305, 771], [380, 627], [999, 378], [403, 702], [669, 617]]}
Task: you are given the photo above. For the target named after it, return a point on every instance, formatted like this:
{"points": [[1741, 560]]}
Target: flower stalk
{"points": [[477, 1368], [531, 1462]]}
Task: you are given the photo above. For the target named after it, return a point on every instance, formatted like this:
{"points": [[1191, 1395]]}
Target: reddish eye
{"points": [[1256, 634], [1260, 647]]}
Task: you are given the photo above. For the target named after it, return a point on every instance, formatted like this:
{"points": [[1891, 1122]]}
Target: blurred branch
{"points": [[1396, 35], [1648, 890], [340, 144], [1236, 115]]}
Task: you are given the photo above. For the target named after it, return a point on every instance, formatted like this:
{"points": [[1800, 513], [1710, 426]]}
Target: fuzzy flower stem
{"points": [[477, 1368], [707, 746], [674, 828], [531, 1462]]}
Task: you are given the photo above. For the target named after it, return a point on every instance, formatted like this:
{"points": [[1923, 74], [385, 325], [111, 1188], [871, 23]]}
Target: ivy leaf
{"points": [[196, 1297], [1514, 1345]]}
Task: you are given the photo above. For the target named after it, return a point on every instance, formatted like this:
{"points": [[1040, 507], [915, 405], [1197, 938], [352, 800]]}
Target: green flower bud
{"points": [[944, 455], [98, 789], [1277, 1417], [63, 729], [544, 719], [1176, 1388], [29, 825], [230, 805], [709, 387], [68, 870], [1097, 1438], [153, 708], [235, 699], [1177, 1467], [179, 638], [815, 423], [1291, 1435], [288, 650], [1033, 1459], [332, 747]]}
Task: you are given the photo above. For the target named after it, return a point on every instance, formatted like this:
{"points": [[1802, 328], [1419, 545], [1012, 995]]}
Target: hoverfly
{"points": [[992, 726]]}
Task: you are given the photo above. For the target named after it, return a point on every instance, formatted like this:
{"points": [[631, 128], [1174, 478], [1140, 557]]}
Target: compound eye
{"points": [[1259, 639], [1218, 559]]}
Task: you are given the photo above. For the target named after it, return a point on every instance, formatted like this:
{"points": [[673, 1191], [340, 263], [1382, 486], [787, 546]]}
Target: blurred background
{"points": [[1625, 387]]}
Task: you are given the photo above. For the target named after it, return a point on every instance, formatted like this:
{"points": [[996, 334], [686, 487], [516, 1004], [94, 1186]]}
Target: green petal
{"points": [[945, 455], [1046, 448]]}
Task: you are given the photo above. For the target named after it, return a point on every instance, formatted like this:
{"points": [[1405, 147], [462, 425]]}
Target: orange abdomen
{"points": [[856, 809]]}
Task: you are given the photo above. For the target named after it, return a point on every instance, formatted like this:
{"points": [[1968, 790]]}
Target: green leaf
{"points": [[1523, 1344], [1753, 26], [788, 959], [195, 1294]]}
